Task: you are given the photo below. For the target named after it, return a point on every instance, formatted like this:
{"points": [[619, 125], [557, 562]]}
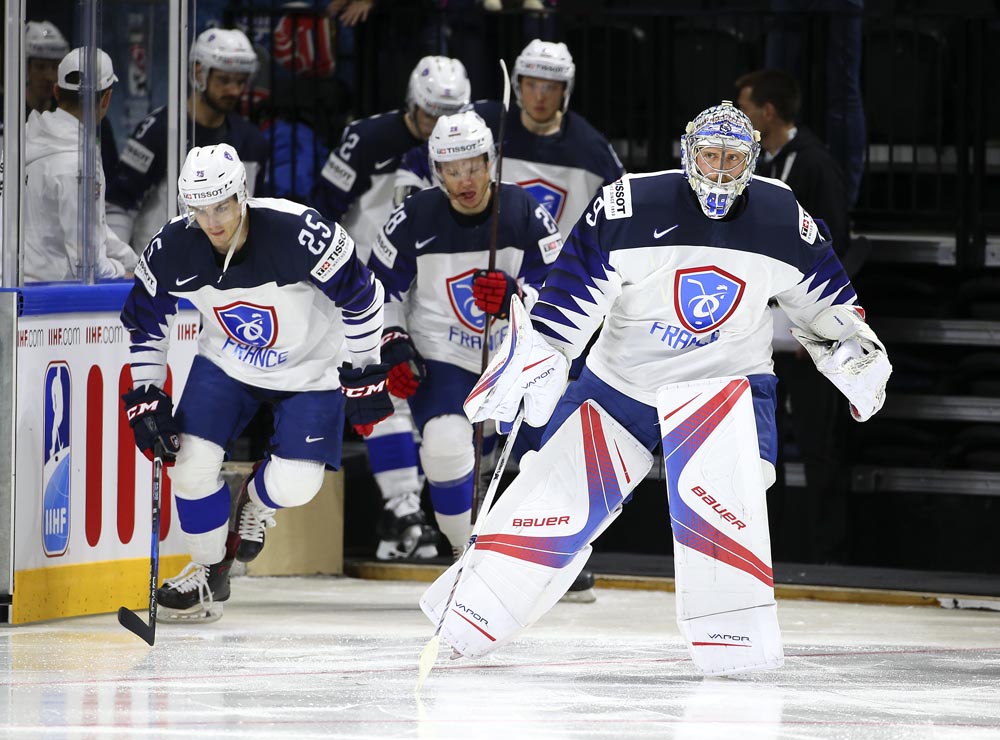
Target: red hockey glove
{"points": [[407, 368], [366, 395], [492, 291]]}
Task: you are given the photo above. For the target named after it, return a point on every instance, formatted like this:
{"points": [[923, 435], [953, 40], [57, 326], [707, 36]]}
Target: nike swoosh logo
{"points": [[658, 234], [384, 163], [185, 281], [313, 439], [425, 242]]}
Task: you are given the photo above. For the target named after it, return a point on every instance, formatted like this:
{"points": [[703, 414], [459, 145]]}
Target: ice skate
{"points": [[250, 520], [582, 589], [403, 530], [195, 594]]}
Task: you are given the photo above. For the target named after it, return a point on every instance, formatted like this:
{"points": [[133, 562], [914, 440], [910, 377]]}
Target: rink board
{"points": [[82, 492]]}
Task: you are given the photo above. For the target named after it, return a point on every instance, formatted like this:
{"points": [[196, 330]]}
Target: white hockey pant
{"points": [[536, 540], [718, 514]]}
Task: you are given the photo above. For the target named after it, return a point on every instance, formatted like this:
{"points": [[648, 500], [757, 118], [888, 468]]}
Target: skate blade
{"points": [[388, 551], [587, 596], [197, 614]]}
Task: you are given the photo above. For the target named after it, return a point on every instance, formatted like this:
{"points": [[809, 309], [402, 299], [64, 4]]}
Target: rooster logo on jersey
{"points": [[551, 196], [463, 303], [704, 297], [249, 324]]}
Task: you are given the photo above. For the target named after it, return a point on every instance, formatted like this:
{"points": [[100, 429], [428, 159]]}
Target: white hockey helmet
{"points": [[547, 60], [225, 49], [728, 128], [460, 136], [438, 85], [210, 174], [42, 40]]}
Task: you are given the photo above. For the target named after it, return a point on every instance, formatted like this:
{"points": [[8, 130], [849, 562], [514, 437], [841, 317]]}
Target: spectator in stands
{"points": [[52, 240], [810, 525]]}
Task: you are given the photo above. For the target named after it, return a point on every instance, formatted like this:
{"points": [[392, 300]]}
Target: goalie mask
{"points": [[439, 86], [546, 60], [42, 40], [227, 50], [211, 174], [462, 136], [719, 151]]}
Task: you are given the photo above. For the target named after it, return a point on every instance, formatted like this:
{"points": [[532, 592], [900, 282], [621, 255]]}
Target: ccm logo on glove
{"points": [[366, 390]]}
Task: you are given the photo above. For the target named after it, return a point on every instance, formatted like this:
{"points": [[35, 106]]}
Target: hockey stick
{"points": [[430, 651], [126, 617], [477, 498]]}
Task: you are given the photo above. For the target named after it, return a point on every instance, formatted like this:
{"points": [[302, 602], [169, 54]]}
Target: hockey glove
{"points": [[406, 366], [493, 290], [366, 393], [150, 413]]}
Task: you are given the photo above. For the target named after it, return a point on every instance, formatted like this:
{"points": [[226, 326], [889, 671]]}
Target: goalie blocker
{"points": [[718, 515], [536, 540]]}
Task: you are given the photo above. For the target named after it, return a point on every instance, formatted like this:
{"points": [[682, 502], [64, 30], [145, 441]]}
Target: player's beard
{"points": [[217, 105]]}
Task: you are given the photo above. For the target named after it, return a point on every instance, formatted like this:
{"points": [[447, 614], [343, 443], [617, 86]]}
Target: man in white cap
{"points": [[52, 242]]}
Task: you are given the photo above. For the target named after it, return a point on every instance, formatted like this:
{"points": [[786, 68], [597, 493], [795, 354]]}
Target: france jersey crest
{"points": [[249, 324], [57, 401], [705, 297], [463, 303], [551, 196]]}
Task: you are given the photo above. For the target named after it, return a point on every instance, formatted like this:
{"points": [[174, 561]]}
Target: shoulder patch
{"points": [[339, 174], [384, 250], [618, 200], [137, 156], [807, 227], [550, 247], [339, 252], [145, 276]]}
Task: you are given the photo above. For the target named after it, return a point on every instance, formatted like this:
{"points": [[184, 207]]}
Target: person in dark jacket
{"points": [[792, 153], [809, 525]]}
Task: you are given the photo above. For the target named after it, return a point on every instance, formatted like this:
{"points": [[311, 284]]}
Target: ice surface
{"points": [[337, 658]]}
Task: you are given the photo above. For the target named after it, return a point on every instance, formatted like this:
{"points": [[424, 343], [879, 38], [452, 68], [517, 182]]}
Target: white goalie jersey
{"points": [[683, 297]]}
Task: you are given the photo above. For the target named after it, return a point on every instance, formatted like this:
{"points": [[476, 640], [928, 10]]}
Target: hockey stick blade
{"points": [[134, 624]]}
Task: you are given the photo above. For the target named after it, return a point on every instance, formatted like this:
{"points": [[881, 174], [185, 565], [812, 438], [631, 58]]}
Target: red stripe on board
{"points": [[94, 473], [126, 464]]}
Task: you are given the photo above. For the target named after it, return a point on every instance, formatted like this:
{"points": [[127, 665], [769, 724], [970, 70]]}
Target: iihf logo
{"points": [[464, 303], [57, 403], [249, 324], [704, 297]]}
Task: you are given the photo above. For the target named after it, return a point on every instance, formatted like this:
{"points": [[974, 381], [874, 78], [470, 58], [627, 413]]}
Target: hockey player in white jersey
{"points": [[284, 302], [223, 64], [356, 189], [430, 256], [674, 270]]}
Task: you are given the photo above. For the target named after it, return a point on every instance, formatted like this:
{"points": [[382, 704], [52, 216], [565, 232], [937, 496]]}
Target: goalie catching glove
{"points": [[527, 368], [366, 395], [406, 367], [845, 349]]}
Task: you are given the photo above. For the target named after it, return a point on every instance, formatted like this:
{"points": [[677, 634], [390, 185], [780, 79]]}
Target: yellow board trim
{"points": [[85, 588]]}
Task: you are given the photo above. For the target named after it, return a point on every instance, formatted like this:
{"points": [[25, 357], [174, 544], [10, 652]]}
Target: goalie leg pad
{"points": [[718, 512], [535, 541]]}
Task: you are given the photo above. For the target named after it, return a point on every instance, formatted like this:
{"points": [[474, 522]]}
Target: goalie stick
{"points": [[430, 651], [477, 498], [126, 617]]}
